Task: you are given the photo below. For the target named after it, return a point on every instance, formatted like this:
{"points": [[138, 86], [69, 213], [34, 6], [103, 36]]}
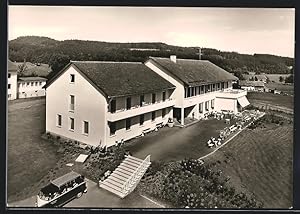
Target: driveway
{"points": [[171, 144], [98, 198]]}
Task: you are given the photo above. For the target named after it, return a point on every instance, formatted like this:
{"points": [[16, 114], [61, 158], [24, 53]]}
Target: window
{"points": [[59, 120], [40, 83], [212, 104], [85, 127], [153, 116], [164, 96], [201, 107], [185, 92], [8, 86], [9, 75], [128, 123], [113, 106], [19, 84], [163, 112], [31, 83], [192, 91], [188, 92], [35, 83], [9, 96], [72, 102], [142, 119], [153, 98], [202, 89], [142, 100], [222, 85], [207, 105], [71, 124], [112, 127], [27, 83], [128, 103], [72, 78]]}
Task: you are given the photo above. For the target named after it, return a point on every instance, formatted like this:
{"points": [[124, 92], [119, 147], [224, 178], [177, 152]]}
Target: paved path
{"points": [[99, 198]]}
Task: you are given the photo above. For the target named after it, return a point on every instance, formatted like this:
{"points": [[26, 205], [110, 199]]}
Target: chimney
{"points": [[173, 58]]}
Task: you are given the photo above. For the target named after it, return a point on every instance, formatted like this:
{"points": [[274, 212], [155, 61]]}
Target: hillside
{"points": [[58, 53]]}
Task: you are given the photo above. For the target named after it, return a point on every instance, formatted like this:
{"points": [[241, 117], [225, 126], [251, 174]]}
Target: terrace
{"points": [[232, 93]]}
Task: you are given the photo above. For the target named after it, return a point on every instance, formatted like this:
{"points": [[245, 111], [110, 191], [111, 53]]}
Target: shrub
{"points": [[194, 185]]}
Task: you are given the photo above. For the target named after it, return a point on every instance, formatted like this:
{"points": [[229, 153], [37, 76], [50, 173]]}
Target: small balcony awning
{"points": [[243, 101]]}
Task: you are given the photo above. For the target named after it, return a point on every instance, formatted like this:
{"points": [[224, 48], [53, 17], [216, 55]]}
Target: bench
{"points": [[159, 125], [233, 129], [146, 131]]}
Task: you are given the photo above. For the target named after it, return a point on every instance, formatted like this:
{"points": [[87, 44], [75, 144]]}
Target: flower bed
{"points": [[190, 183], [98, 162]]}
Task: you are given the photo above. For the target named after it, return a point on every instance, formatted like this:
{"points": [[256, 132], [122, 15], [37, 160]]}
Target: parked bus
{"points": [[62, 190]]}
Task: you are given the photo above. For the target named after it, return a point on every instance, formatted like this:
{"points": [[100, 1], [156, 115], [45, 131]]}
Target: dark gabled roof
{"points": [[11, 66], [194, 72], [251, 83], [29, 79], [116, 79]]}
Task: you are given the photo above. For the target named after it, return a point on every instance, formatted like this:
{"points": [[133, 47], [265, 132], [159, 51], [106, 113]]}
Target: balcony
{"points": [[138, 110], [232, 93]]}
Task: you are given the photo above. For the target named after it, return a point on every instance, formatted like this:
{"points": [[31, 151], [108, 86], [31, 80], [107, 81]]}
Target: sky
{"points": [[243, 30]]}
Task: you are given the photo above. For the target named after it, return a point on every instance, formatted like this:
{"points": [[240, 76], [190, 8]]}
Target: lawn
{"points": [[260, 161], [272, 99], [281, 87], [29, 156], [274, 78], [171, 144]]}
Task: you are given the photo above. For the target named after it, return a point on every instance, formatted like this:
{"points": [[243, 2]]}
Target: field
{"points": [[272, 99], [29, 156], [289, 89], [275, 77], [260, 160]]}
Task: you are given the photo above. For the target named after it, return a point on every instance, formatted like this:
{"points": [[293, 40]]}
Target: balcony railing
{"points": [[232, 93], [138, 110]]}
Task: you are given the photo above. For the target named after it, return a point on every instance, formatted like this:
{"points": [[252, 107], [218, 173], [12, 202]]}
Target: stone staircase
{"points": [[126, 176]]}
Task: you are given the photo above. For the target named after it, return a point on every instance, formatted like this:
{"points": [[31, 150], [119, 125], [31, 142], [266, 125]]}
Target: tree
{"points": [[22, 68], [289, 79], [281, 79], [239, 75], [58, 62]]}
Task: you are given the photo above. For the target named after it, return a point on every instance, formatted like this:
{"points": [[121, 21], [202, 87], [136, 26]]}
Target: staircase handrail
{"points": [[133, 175]]}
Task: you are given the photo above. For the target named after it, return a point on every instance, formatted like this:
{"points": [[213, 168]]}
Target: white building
{"points": [[31, 87], [11, 80], [101, 103], [201, 87], [252, 85]]}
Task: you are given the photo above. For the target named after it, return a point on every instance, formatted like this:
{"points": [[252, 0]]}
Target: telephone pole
{"points": [[199, 53]]}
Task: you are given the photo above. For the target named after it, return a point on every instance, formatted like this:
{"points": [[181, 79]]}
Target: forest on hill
{"points": [[58, 53]]}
